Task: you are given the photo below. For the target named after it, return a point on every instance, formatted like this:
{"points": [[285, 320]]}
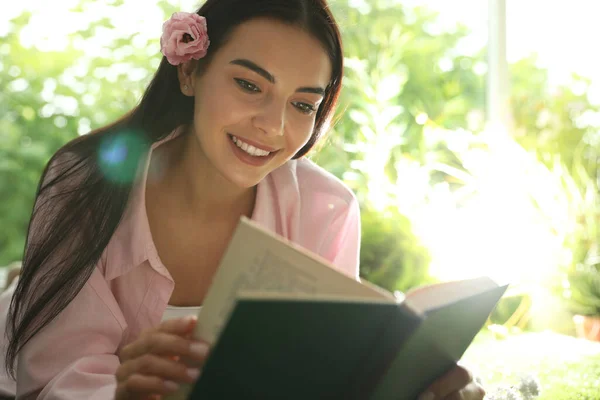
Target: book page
{"points": [[433, 296], [244, 295], [258, 261]]}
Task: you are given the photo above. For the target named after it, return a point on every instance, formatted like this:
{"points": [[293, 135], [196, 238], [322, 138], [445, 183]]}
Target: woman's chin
{"points": [[243, 179]]}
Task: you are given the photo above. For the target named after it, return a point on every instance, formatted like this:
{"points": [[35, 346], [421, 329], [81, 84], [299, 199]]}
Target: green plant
{"points": [[584, 289], [391, 255], [581, 271]]}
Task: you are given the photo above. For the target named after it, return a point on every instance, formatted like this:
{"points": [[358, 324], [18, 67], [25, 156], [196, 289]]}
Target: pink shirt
{"points": [[74, 357]]}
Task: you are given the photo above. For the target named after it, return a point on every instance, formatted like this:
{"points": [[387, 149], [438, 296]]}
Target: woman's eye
{"points": [[247, 86], [305, 108]]}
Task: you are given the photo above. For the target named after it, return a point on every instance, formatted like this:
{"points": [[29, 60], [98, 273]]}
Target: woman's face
{"points": [[256, 102]]}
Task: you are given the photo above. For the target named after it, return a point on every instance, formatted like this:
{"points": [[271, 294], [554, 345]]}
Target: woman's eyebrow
{"points": [[315, 90], [252, 66]]}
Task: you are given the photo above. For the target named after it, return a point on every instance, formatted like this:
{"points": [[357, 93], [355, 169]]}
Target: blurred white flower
{"points": [[529, 387], [504, 393]]}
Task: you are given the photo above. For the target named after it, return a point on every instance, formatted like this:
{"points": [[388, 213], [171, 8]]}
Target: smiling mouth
{"points": [[248, 148]]}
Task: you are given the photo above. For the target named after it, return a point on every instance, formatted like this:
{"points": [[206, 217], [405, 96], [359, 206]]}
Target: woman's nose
{"points": [[271, 118]]}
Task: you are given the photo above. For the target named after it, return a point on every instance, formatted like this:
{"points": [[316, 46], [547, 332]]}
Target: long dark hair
{"points": [[79, 203]]}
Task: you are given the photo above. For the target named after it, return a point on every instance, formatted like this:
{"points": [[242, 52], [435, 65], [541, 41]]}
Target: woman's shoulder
{"points": [[318, 212], [313, 180]]}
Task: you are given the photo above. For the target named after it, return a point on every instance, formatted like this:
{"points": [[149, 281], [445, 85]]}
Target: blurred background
{"points": [[469, 130]]}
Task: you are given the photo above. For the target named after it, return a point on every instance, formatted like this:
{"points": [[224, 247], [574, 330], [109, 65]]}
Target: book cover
{"points": [[298, 349]]}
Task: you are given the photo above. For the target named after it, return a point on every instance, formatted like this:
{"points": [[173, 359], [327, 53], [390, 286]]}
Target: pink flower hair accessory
{"points": [[184, 37]]}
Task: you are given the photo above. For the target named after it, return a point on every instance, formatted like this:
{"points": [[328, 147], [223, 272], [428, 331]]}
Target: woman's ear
{"points": [[186, 72]]}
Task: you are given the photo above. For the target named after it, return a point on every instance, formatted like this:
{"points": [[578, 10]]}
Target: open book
{"points": [[285, 324]]}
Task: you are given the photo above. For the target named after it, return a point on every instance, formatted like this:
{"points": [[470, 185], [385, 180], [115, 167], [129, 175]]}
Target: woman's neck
{"points": [[200, 190]]}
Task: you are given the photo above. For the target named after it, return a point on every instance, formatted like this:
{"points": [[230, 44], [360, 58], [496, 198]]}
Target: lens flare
{"points": [[120, 154]]}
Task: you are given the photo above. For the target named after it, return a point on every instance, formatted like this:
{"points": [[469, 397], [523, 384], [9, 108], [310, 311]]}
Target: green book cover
{"points": [[298, 350], [310, 349]]}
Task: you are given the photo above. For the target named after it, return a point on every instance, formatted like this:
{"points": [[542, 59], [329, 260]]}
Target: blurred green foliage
{"points": [[584, 284], [391, 255], [580, 283]]}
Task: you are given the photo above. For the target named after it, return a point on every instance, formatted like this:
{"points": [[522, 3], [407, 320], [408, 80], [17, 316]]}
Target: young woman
{"points": [[130, 221]]}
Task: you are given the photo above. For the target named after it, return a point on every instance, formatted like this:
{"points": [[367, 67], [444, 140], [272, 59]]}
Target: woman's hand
{"points": [[151, 366], [457, 384]]}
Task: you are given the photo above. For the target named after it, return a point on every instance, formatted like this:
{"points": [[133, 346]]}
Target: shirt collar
{"points": [[132, 243]]}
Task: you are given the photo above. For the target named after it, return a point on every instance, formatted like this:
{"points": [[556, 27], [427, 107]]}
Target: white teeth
{"points": [[253, 151]]}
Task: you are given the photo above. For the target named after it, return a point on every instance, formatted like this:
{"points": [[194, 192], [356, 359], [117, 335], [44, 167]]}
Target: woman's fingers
{"points": [[156, 366], [178, 326], [453, 381], [142, 387], [473, 391], [166, 345], [153, 365], [167, 341]]}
